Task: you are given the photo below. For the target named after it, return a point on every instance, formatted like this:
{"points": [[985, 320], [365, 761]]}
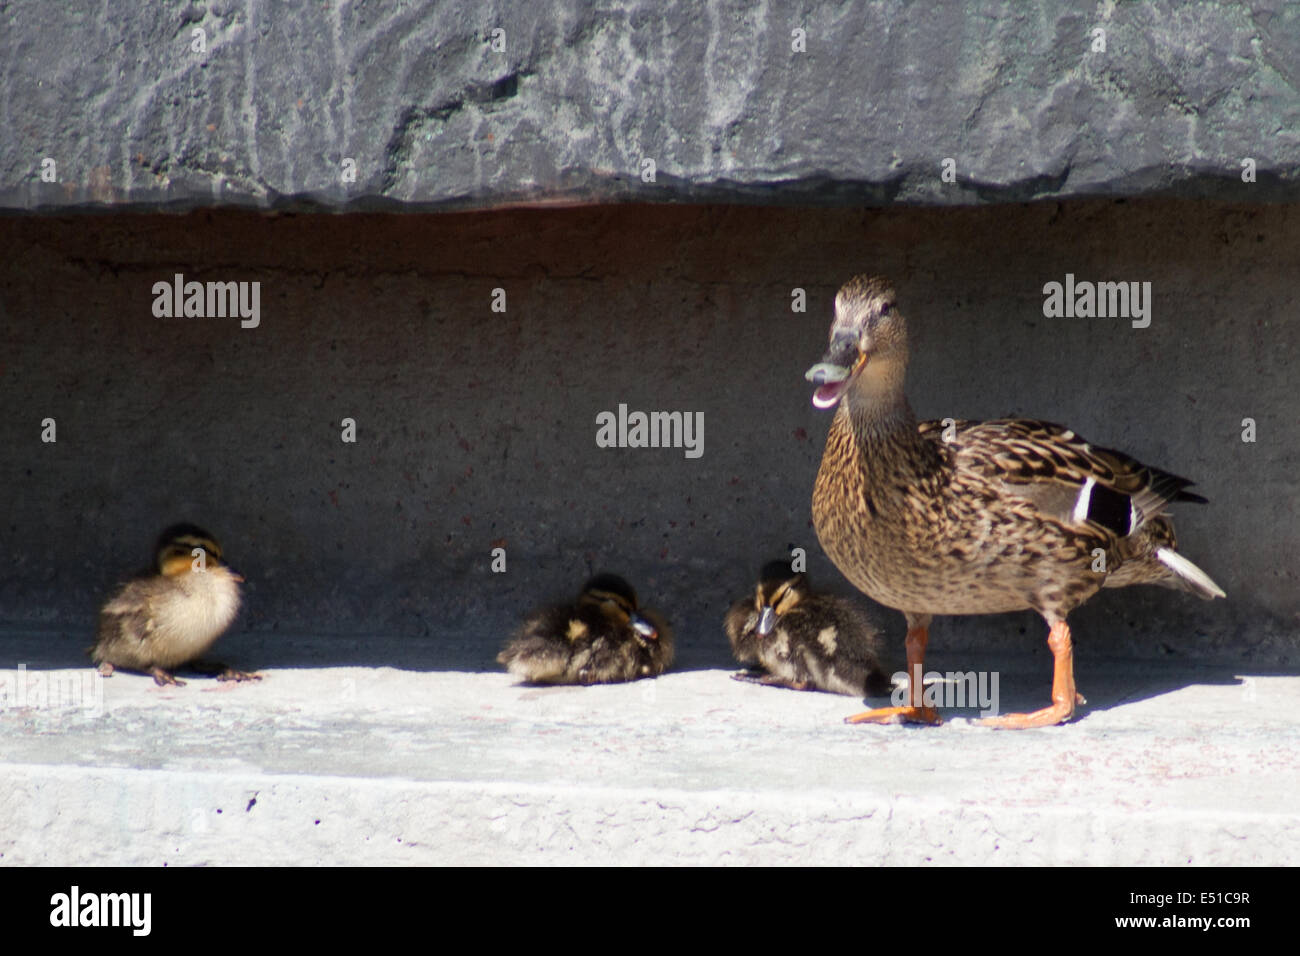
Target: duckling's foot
{"points": [[897, 715], [221, 671], [231, 674], [105, 669], [770, 680], [162, 678]]}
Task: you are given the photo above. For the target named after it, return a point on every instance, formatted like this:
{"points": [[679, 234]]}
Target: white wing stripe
{"points": [[1080, 514]]}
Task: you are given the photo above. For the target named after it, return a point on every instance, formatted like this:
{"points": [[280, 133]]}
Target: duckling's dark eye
{"points": [[885, 307]]}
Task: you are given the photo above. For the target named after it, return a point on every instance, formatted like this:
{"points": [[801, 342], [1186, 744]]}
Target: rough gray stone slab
{"points": [[580, 96]]}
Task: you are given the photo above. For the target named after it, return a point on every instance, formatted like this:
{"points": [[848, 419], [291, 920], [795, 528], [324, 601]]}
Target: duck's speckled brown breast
{"points": [[898, 526]]}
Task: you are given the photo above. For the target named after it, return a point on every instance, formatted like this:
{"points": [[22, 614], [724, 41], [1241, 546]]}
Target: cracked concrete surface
{"points": [[341, 765]]}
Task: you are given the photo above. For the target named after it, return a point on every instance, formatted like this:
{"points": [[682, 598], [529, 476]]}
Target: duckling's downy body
{"points": [[802, 639], [603, 637], [163, 620], [960, 517]]}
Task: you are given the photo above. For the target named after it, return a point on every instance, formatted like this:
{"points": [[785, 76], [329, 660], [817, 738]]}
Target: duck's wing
{"points": [[133, 603], [1060, 473], [739, 625], [126, 624]]}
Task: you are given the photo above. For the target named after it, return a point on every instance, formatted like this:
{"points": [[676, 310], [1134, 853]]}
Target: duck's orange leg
{"points": [[1064, 695], [917, 713]]}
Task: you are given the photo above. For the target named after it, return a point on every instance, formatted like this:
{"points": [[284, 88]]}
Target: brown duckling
{"points": [[803, 639], [603, 637], [166, 618], [966, 517]]}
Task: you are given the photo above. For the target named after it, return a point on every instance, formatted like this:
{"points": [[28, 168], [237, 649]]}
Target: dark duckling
{"points": [[803, 639], [603, 637]]}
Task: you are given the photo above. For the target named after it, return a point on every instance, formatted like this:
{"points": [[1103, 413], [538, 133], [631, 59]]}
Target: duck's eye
{"points": [[885, 307]]}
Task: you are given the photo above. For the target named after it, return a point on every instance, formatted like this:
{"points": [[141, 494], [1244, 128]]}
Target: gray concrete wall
{"points": [[477, 429]]}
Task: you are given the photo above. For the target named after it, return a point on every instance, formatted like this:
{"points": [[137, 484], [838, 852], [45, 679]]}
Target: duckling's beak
{"points": [[644, 627], [766, 621], [833, 372], [234, 574]]}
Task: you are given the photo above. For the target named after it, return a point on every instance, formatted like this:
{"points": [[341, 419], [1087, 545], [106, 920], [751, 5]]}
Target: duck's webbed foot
{"points": [[918, 635], [897, 715], [1064, 695]]}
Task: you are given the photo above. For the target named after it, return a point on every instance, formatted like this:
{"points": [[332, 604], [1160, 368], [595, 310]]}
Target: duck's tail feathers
{"points": [[1161, 490], [1190, 577]]}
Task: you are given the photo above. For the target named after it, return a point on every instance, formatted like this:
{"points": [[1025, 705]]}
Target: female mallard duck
{"points": [[960, 517], [602, 638], [167, 618], [802, 639]]}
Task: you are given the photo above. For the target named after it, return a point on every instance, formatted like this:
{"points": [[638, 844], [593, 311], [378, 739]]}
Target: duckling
{"points": [[965, 517], [803, 639], [168, 617], [603, 637]]}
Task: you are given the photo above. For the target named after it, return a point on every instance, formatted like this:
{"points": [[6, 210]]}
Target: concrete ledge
{"points": [[381, 766]]}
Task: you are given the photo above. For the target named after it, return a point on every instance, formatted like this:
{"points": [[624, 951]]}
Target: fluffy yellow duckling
{"points": [[164, 619]]}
